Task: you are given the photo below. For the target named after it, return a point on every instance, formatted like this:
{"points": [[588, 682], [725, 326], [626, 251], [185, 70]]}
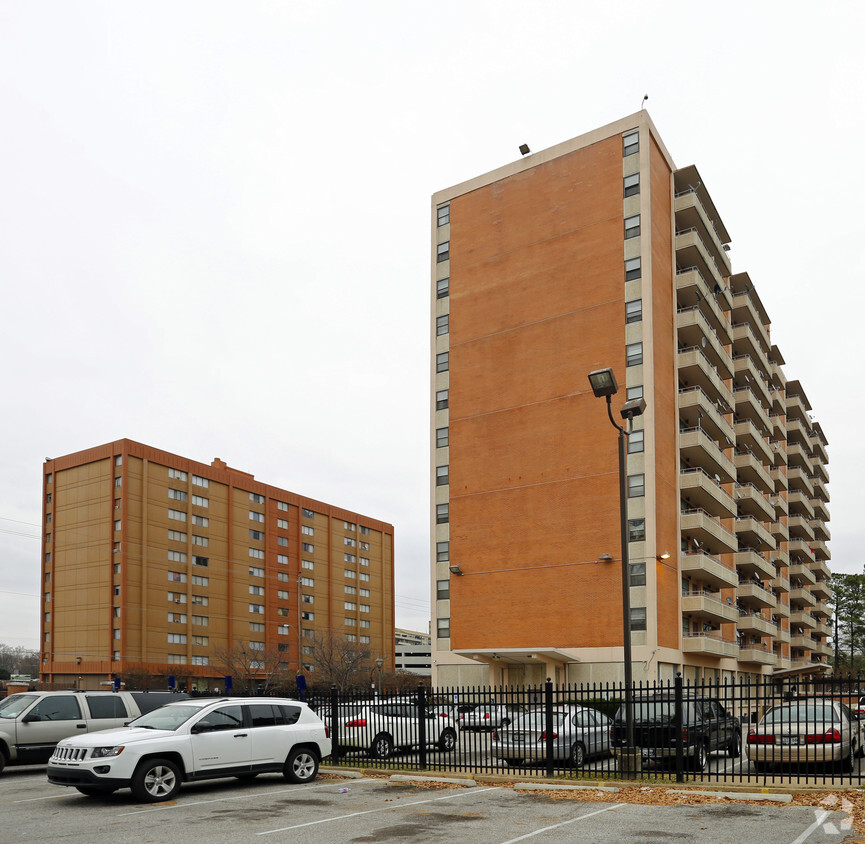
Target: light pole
{"points": [[604, 385], [378, 664]]}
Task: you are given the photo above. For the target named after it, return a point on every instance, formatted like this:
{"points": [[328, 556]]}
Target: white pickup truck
{"points": [[31, 723]]}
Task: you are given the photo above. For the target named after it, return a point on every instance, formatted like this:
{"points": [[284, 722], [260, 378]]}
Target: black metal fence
{"points": [[801, 730]]}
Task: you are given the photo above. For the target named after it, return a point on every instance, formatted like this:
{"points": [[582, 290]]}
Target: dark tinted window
{"points": [[290, 714], [106, 706], [225, 718], [262, 715], [57, 708], [148, 701]]}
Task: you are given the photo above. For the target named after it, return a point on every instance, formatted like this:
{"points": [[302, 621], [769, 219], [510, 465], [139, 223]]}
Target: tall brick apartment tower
{"points": [[154, 561], [600, 252]]}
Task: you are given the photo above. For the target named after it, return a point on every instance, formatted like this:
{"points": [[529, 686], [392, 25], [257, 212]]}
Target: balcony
{"points": [[780, 583], [824, 629], [709, 644], [782, 508], [692, 290], [692, 214], [800, 504], [800, 597], [796, 409], [749, 438], [798, 458], [751, 594], [802, 618], [699, 489], [747, 372], [821, 532], [691, 251], [698, 410], [754, 623], [759, 654], [798, 434], [749, 406], [705, 605], [798, 548], [750, 470], [821, 471], [822, 609], [747, 308], [819, 491], [821, 550], [696, 448], [753, 534], [802, 573], [782, 610], [819, 449], [779, 425], [799, 480], [800, 528], [822, 591], [779, 477], [751, 501], [821, 511], [783, 635], [695, 370], [708, 530], [746, 341], [694, 329], [801, 640], [820, 569], [708, 570], [779, 532], [751, 563], [780, 557]]}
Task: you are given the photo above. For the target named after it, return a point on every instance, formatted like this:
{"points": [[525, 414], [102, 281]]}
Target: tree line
{"points": [[848, 622]]}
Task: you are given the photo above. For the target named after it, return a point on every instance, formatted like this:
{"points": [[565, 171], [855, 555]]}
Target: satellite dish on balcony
{"points": [[703, 342]]}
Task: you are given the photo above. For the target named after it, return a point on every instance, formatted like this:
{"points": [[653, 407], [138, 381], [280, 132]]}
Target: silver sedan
{"points": [[578, 733]]}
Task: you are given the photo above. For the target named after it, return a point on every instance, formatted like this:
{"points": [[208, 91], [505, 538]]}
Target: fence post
{"points": [[679, 726], [421, 724], [548, 724], [334, 723]]}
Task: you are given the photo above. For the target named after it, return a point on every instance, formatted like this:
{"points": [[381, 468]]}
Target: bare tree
{"points": [[250, 670], [340, 663], [19, 660]]}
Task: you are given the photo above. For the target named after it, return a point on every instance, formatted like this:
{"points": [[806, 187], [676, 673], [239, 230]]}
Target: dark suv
{"points": [[706, 727]]}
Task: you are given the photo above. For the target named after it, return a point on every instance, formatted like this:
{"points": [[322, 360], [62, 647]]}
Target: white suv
{"points": [[194, 740]]}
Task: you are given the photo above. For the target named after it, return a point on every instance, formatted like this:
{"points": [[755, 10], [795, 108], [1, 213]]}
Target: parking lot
{"points": [[377, 810]]}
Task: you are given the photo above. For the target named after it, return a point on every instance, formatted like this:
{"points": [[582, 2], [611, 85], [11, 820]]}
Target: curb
{"points": [[445, 780], [349, 774], [542, 786], [735, 795]]}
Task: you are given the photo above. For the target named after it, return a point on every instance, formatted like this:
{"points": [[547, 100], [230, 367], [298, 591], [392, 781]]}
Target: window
{"points": [[349, 605], [364, 561], [117, 633], [177, 597], [177, 536], [118, 481], [282, 595], [364, 607], [200, 620], [441, 437], [49, 478], [442, 288], [364, 640], [636, 486], [282, 540], [256, 646], [364, 593], [633, 311], [630, 143], [201, 640], [307, 616], [255, 516], [350, 590], [48, 554], [635, 442], [635, 392], [256, 627], [283, 576], [442, 552], [350, 637], [256, 534], [200, 501], [177, 617], [256, 498], [347, 540], [201, 600], [282, 523], [176, 659], [442, 324], [307, 599], [441, 399], [364, 622], [200, 660], [443, 214], [364, 530], [177, 494], [282, 559], [256, 572], [351, 622], [197, 480], [638, 574], [283, 630], [118, 524], [176, 638], [307, 514], [307, 547], [350, 574], [200, 580], [442, 362], [198, 560], [443, 590], [632, 226], [48, 498], [636, 530], [638, 618], [200, 540], [256, 553], [633, 354], [177, 556], [441, 514], [118, 460], [116, 590], [364, 576], [632, 184], [307, 564], [349, 558], [201, 521], [257, 608], [441, 475], [349, 526], [443, 628], [307, 581], [443, 252], [281, 505], [177, 474], [364, 546]]}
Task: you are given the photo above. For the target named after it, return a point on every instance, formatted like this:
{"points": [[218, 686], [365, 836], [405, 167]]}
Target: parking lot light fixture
{"points": [[604, 385]]}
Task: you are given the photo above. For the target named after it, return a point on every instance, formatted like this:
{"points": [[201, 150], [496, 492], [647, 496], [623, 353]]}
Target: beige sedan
{"points": [[806, 731]]}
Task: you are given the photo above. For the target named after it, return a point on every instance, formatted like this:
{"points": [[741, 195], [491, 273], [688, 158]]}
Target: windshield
{"points": [[14, 705], [813, 712], [166, 717], [535, 721]]}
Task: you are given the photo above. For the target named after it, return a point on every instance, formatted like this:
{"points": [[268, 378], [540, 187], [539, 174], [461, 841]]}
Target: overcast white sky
{"points": [[214, 222]]}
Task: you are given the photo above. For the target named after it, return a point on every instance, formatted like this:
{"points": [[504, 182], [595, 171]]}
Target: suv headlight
{"points": [[104, 752]]}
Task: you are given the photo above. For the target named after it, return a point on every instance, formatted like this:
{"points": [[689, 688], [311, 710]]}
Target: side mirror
{"points": [[30, 718]]}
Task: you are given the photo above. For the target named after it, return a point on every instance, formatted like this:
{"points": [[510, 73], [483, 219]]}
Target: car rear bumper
{"points": [[798, 754]]}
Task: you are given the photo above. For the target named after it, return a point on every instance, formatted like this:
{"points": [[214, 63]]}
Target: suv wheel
{"points": [[381, 747], [735, 748], [447, 741], [155, 780], [700, 757], [301, 765]]}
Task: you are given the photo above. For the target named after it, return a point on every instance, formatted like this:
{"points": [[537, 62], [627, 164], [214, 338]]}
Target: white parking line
{"points": [[472, 791], [34, 799], [247, 796], [821, 816], [565, 823]]}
